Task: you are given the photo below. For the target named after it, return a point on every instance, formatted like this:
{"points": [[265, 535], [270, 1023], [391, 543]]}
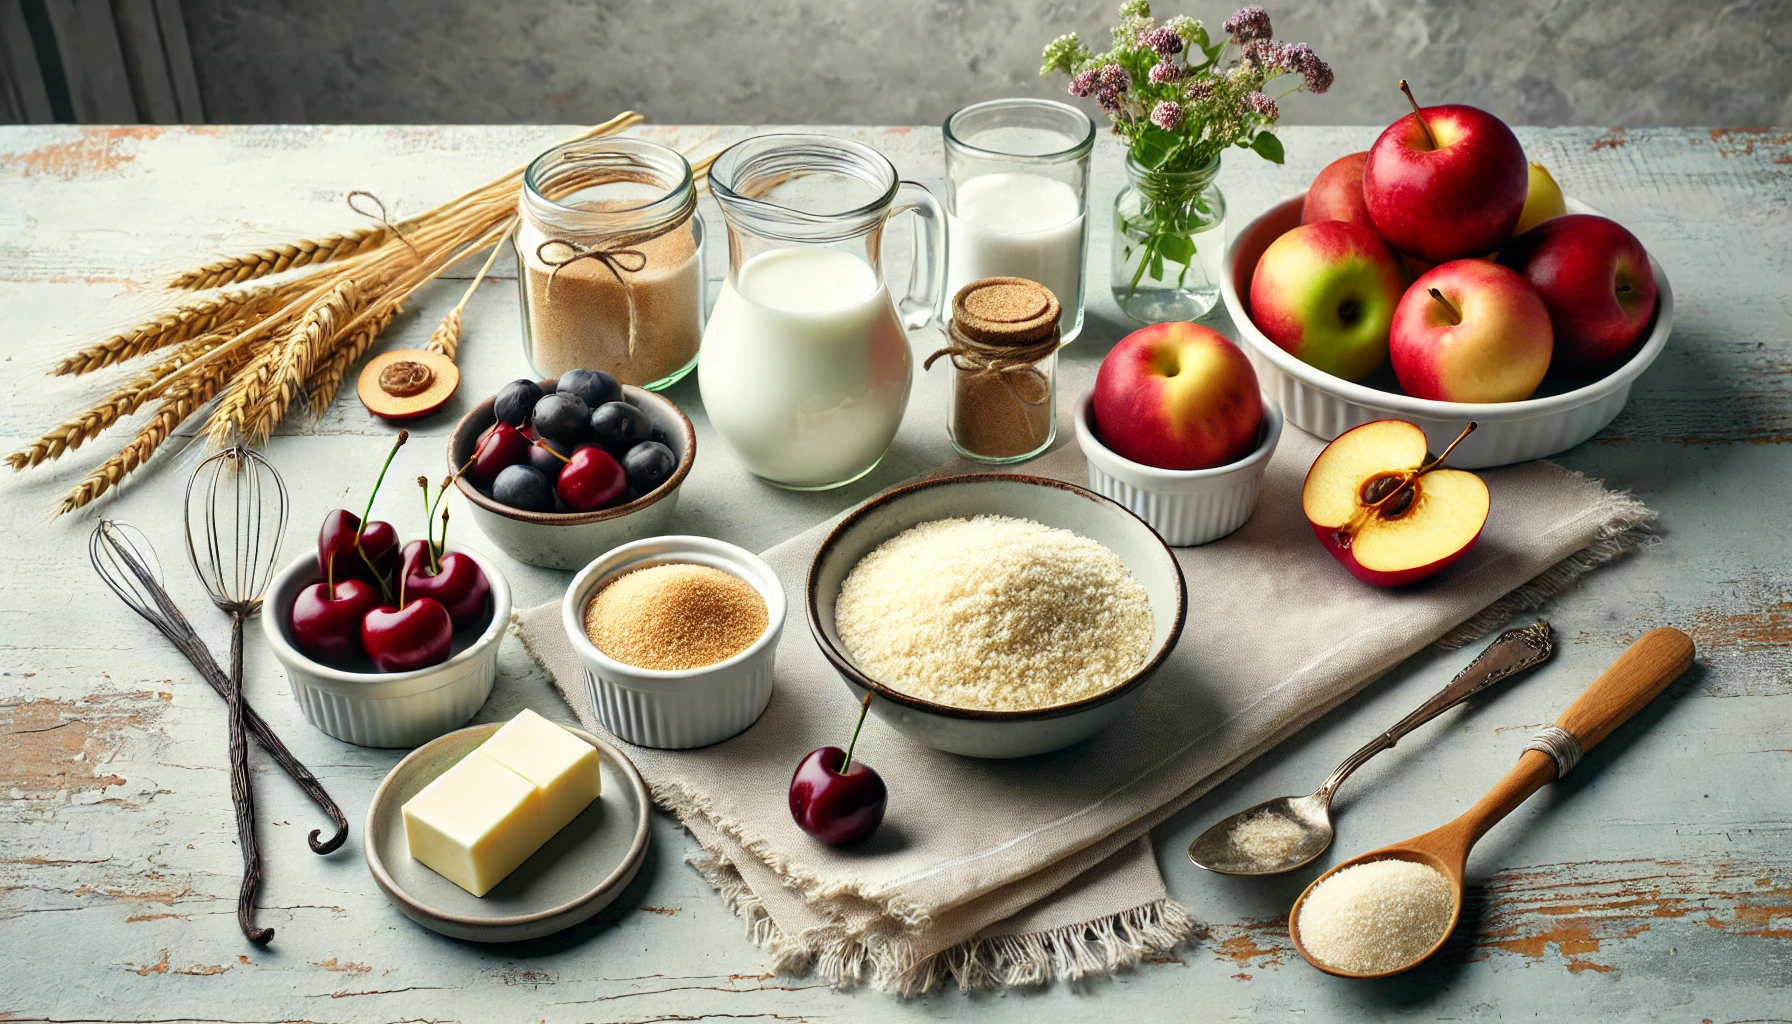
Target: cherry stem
{"points": [[397, 443], [429, 534], [1455, 314], [543, 445], [1417, 115], [864, 706], [438, 564]]}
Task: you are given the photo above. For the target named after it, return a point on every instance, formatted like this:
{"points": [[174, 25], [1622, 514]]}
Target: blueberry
{"points": [[515, 401], [524, 487], [562, 417], [619, 426], [593, 387], [648, 465], [545, 461]]}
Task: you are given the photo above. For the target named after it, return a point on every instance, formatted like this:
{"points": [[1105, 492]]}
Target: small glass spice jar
{"points": [[1003, 342], [609, 254]]}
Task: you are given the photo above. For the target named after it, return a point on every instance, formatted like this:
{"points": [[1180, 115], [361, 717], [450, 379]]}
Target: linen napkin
{"points": [[996, 873]]}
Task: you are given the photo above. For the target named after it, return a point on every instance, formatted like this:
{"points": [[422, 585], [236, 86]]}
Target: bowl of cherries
{"points": [[388, 644], [560, 471]]}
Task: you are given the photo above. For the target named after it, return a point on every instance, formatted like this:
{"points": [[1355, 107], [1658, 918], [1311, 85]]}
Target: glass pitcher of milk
{"points": [[1017, 198], [804, 367]]}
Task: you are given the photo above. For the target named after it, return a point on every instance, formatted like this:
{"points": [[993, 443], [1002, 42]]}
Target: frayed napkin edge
{"points": [[1069, 953], [1627, 525]]}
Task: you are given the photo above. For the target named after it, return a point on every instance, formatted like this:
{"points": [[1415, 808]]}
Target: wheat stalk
{"points": [[176, 406], [276, 259], [258, 396], [121, 402], [321, 387], [446, 338], [171, 328]]}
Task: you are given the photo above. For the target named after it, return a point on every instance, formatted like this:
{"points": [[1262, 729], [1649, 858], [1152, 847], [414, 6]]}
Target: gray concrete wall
{"points": [[1643, 62]]}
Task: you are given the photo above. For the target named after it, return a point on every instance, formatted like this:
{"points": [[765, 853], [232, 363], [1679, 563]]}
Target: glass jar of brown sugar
{"points": [[609, 254], [1003, 344]]}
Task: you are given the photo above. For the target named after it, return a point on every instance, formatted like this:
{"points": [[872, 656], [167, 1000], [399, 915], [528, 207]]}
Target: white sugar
{"points": [[1376, 917]]}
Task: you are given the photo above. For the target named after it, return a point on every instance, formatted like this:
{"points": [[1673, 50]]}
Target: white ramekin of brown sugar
{"points": [[681, 614]]}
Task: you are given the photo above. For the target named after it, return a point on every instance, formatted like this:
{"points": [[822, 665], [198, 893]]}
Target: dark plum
{"points": [[524, 487], [648, 465], [619, 426], [562, 417], [515, 401], [546, 460], [593, 387]]}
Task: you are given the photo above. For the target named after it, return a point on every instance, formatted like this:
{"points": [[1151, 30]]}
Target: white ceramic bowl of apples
{"points": [[1539, 349]]}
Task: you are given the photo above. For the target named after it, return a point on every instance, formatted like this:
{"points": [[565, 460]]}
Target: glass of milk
{"points": [[805, 367], [1017, 191]]}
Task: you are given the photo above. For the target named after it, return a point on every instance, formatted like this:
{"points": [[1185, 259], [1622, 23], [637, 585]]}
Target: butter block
{"points": [[479, 820], [565, 769], [475, 823]]}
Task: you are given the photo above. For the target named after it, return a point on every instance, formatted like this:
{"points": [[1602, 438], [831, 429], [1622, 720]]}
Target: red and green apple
{"points": [[1326, 292], [1446, 182]]}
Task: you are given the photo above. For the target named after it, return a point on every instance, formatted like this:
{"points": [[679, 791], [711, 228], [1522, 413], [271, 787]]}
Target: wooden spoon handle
{"points": [[1642, 671]]}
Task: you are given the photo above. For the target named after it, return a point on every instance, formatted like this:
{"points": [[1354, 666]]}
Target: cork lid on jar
{"points": [[1005, 311]]}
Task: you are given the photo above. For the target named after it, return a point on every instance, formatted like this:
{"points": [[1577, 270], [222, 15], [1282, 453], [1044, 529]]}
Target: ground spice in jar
{"points": [[675, 617], [577, 315], [1003, 342]]}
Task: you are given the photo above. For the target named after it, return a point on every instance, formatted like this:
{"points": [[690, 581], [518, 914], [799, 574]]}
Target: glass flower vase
{"points": [[1168, 236]]}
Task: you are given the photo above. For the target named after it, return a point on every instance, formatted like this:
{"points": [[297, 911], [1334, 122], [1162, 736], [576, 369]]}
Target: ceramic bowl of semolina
{"points": [[995, 615]]}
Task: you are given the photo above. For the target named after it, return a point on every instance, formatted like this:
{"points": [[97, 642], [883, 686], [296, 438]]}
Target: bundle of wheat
{"points": [[254, 350]]}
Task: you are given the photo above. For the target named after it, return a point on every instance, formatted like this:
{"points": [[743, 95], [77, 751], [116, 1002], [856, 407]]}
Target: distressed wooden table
{"points": [[1656, 883]]}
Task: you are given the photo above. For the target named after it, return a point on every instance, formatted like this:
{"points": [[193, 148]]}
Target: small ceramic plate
{"points": [[573, 876]]}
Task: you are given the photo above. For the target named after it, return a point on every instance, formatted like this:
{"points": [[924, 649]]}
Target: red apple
{"points": [[1326, 293], [1459, 197], [1177, 396], [1470, 331], [1596, 282], [1337, 193], [1385, 511]]}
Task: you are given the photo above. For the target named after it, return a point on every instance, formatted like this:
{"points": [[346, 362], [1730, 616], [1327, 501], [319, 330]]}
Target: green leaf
{"points": [[1177, 248], [1268, 147], [1154, 145], [1157, 266]]}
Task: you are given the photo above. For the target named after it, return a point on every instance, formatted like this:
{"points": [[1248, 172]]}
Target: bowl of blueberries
{"points": [[560, 471]]}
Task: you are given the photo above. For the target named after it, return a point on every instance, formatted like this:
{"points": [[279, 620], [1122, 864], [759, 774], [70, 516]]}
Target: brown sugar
{"points": [[578, 317], [675, 617]]}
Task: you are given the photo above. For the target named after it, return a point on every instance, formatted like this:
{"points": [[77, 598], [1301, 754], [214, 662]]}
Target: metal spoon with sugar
{"points": [[1292, 831], [1631, 682]]}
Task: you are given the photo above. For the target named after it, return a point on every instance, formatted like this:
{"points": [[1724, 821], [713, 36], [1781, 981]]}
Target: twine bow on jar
{"points": [[615, 260]]}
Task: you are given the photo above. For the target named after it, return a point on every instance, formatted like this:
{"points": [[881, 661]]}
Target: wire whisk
{"points": [[236, 518], [127, 562]]}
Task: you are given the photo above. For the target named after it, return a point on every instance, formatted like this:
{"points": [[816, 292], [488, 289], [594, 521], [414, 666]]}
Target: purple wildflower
{"points": [[1249, 23], [1109, 100], [1163, 40], [1084, 83], [1165, 73], [1115, 77], [1167, 115], [1301, 58], [1200, 90], [1261, 104], [1261, 53]]}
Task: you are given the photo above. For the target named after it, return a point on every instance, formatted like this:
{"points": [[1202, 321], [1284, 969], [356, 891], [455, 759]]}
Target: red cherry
{"points": [[459, 584], [591, 479], [326, 625], [837, 806], [336, 542], [501, 446], [415, 636]]}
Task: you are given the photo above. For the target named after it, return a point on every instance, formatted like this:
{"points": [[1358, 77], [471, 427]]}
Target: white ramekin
{"points": [[689, 708], [1185, 506], [1508, 432], [387, 709]]}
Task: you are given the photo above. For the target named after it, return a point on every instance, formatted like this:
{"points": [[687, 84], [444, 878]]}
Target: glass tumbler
{"points": [[1017, 198]]}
